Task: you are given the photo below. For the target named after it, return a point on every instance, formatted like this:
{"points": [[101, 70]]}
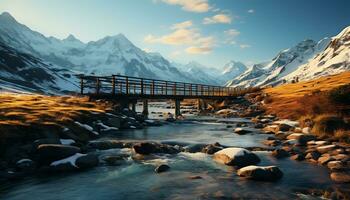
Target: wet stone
{"points": [[162, 168]]}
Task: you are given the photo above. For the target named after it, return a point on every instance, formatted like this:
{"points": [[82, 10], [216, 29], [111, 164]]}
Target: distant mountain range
{"points": [[307, 60], [31, 62], [107, 56]]}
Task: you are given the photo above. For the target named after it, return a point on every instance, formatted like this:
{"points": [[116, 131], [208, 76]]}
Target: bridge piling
{"points": [[145, 108], [177, 108]]}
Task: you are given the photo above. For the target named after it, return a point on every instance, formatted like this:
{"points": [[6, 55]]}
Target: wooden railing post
{"points": [[174, 88], [184, 89], [190, 89], [81, 84], [113, 84], [97, 85], [141, 86], [153, 87], [166, 87], [127, 85]]}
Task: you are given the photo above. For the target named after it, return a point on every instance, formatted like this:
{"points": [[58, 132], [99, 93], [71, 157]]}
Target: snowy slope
{"points": [[334, 59], [21, 72], [233, 69], [200, 73], [307, 60]]}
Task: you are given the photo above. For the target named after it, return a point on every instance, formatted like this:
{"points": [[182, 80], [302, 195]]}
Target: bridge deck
{"points": [[119, 86]]}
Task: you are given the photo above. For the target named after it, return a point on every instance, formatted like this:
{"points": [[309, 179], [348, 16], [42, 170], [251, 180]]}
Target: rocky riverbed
{"points": [[201, 157]]}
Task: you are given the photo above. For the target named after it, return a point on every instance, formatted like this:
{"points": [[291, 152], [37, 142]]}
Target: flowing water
{"points": [[137, 179]]}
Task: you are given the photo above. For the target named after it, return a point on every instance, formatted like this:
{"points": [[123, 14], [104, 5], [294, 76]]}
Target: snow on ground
{"points": [[72, 159], [107, 128], [87, 127], [67, 141]]}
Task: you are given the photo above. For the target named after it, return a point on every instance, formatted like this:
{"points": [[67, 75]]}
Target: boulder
{"points": [[241, 131], [342, 157], [298, 157], [146, 148], [324, 159], [313, 155], [194, 148], [341, 177], [271, 128], [162, 168], [291, 142], [87, 161], [25, 165], [272, 142], [114, 160], [105, 144], [302, 138], [280, 153], [212, 148], [238, 157], [317, 143], [47, 153], [326, 148], [336, 165], [268, 173], [259, 125], [38, 142], [284, 127]]}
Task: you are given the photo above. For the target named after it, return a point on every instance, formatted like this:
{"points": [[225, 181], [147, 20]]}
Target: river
{"points": [[137, 179]]}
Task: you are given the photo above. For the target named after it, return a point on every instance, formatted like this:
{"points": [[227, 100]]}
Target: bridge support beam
{"points": [[133, 106], [145, 108], [177, 108]]}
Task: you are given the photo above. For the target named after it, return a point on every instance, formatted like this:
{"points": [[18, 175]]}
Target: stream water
{"points": [[137, 179]]}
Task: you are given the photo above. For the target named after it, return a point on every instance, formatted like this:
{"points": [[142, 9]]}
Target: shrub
{"points": [[327, 125], [306, 121], [268, 100], [315, 104], [340, 95], [342, 135]]}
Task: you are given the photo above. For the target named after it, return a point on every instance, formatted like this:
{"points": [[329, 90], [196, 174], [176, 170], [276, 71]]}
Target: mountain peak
{"points": [[71, 37], [7, 16]]}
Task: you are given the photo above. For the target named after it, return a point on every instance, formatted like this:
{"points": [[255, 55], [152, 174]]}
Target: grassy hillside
{"points": [[305, 98]]}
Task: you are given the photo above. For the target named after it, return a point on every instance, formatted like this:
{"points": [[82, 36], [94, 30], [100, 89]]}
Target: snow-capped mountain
{"points": [[200, 73], [22, 72], [233, 69], [109, 55], [334, 59], [307, 60]]}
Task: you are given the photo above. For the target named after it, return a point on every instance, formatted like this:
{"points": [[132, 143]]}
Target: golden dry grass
{"points": [[291, 100], [27, 110]]}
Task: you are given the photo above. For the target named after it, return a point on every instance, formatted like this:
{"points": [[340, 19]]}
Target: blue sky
{"points": [[211, 32]]}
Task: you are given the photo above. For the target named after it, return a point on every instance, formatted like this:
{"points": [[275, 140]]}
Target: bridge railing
{"points": [[127, 85]]}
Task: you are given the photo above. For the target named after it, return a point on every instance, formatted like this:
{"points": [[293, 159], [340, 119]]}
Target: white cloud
{"points": [[232, 32], [182, 25], [219, 18], [185, 35], [198, 50], [199, 6], [251, 11], [244, 46], [230, 36]]}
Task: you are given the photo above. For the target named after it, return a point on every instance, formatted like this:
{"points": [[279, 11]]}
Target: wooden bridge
{"points": [[131, 89]]}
